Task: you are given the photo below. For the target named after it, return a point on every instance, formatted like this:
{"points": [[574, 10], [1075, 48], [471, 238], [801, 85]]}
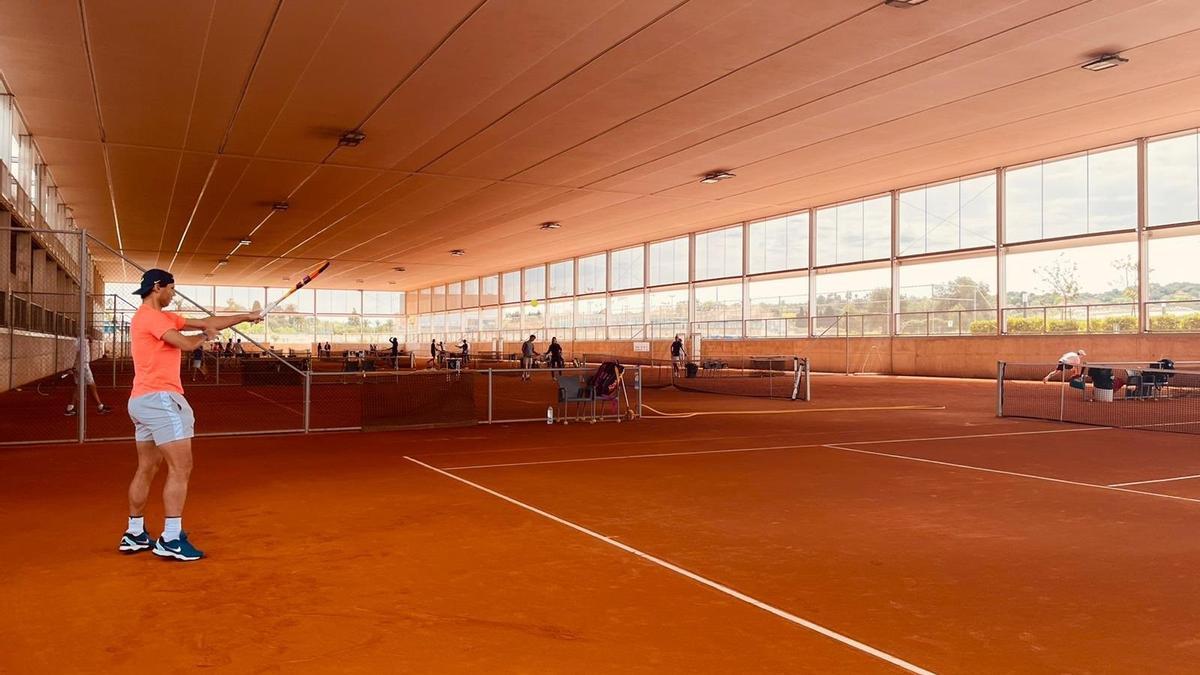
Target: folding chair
{"points": [[574, 389]]}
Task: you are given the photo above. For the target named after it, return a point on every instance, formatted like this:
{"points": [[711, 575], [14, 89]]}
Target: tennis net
{"points": [[773, 376], [1119, 395]]}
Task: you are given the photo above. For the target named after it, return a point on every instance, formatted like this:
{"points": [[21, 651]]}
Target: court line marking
{"points": [[684, 453], [788, 616], [1012, 473], [667, 415], [291, 410], [1156, 480]]}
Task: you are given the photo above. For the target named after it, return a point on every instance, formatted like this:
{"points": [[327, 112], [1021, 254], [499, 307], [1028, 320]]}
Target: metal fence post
{"points": [[489, 372], [999, 389], [80, 380], [639, 391], [307, 399]]}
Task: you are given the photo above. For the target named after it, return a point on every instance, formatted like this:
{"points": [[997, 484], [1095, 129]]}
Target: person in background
{"points": [[198, 362], [678, 354], [395, 350], [1069, 364], [441, 355], [464, 348], [238, 349], [83, 369], [556, 357], [528, 353]]}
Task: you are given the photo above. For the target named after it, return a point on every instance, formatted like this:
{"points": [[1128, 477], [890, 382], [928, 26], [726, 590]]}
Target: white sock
{"points": [[70, 407], [135, 525], [171, 529]]}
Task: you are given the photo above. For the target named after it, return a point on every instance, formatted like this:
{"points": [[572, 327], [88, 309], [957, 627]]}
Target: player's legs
{"points": [[149, 459], [178, 455]]}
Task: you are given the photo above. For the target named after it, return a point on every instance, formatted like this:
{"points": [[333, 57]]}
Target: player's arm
{"points": [[184, 342], [215, 323]]}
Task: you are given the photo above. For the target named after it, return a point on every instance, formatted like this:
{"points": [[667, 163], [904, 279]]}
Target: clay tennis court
{"points": [[838, 535]]}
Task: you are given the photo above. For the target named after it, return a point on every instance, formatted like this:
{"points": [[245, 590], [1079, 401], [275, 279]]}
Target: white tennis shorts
{"points": [[162, 417], [88, 379]]}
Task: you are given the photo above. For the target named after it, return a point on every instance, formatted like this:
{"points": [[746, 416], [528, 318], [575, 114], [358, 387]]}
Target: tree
{"points": [[1127, 277], [1060, 278]]}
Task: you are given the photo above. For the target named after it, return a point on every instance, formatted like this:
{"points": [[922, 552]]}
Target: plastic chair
{"points": [[574, 390]]}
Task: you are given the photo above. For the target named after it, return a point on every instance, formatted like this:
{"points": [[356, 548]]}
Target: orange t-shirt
{"points": [[155, 362]]}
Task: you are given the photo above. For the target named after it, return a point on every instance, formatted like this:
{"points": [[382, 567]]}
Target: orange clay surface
{"points": [[943, 537]]}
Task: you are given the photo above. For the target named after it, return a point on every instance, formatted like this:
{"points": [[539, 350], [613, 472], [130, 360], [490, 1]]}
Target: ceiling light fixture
{"points": [[903, 3], [279, 206], [458, 253], [351, 139], [716, 177], [398, 269], [1105, 62], [244, 242], [550, 226], [222, 262]]}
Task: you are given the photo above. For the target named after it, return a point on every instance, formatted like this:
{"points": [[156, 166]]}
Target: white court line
{"points": [[685, 453], [291, 410], [1011, 473], [1157, 480], [608, 457], [805, 623], [668, 415]]}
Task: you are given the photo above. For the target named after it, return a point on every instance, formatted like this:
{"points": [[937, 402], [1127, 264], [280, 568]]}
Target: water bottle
{"points": [[549, 414]]}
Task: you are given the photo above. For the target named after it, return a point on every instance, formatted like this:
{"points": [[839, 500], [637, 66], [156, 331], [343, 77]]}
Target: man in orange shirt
{"points": [[162, 419]]}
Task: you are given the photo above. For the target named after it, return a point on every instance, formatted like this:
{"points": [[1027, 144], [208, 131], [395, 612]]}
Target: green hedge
{"points": [[1115, 324], [983, 327]]}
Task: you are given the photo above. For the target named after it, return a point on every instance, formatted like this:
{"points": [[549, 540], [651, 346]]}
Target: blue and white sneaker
{"points": [[133, 543], [179, 549]]}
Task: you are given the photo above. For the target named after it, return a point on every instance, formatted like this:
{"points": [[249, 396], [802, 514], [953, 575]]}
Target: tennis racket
{"points": [[308, 277], [47, 385]]}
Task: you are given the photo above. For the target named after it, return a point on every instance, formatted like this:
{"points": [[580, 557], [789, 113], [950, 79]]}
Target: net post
{"points": [[1000, 389], [307, 399], [489, 372], [80, 380], [639, 391]]}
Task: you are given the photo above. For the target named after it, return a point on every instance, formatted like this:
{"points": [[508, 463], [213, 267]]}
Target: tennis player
{"points": [[677, 355], [1068, 365], [162, 419], [527, 355]]}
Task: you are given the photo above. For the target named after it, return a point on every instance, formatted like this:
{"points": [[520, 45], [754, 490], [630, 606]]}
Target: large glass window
{"points": [[778, 307], [1174, 291], [719, 253], [950, 216], [955, 297], [1062, 290], [628, 313], [439, 298], [489, 321], [425, 303], [1093, 192], [852, 303], [854, 231], [779, 244], [559, 314], [719, 310], [470, 322], [562, 278], [454, 295], [380, 302], [590, 311], [244, 298], [667, 311], [489, 290], [470, 293], [510, 287], [592, 274], [669, 262], [534, 317], [510, 317], [535, 283], [1173, 179], [628, 268]]}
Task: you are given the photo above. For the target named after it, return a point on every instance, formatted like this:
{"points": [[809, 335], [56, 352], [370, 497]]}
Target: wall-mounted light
{"points": [[1105, 62], [716, 177], [351, 139]]}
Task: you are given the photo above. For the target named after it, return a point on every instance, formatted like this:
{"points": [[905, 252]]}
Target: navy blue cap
{"points": [[151, 277]]}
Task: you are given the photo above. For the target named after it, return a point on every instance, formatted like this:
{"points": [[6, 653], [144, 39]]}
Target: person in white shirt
{"points": [[83, 368], [1069, 364]]}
